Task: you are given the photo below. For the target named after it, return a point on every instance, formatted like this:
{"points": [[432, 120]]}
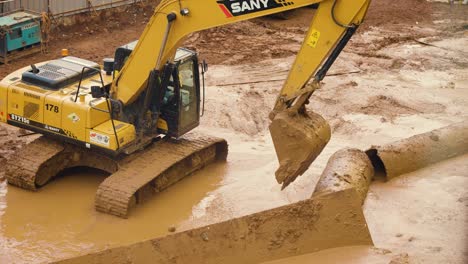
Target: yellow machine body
{"points": [[57, 114]]}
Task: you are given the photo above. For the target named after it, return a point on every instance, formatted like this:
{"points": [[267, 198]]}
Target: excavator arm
{"points": [[299, 137]]}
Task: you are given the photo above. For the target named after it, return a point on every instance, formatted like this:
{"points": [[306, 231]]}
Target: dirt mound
{"points": [[249, 114], [387, 106], [239, 43], [96, 36], [390, 108], [391, 12]]}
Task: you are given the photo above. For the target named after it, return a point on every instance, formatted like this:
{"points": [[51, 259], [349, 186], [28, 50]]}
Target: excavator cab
{"points": [[180, 106], [181, 102]]}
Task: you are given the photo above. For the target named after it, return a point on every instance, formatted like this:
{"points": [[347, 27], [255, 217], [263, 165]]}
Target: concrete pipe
{"points": [[419, 151], [346, 169]]}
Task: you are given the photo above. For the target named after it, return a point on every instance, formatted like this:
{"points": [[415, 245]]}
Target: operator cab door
{"points": [[181, 104]]}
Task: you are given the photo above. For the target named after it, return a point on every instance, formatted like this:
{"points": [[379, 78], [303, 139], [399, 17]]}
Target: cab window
{"points": [[188, 96]]}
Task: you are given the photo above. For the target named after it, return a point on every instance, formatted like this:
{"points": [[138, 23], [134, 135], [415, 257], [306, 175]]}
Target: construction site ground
{"points": [[404, 73]]}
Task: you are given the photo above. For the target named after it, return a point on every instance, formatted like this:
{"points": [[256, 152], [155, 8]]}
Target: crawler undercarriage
{"points": [[133, 178]]}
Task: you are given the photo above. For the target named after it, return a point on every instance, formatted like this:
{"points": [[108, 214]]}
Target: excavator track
{"points": [[153, 170], [38, 162], [22, 167], [133, 178]]}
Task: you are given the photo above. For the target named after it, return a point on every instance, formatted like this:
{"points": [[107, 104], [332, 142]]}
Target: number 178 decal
{"points": [[52, 108]]}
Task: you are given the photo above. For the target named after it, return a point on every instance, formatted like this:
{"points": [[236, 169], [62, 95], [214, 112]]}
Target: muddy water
{"points": [[60, 220]]}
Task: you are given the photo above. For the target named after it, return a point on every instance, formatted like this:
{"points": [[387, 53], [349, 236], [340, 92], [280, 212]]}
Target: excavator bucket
{"points": [[298, 139]]}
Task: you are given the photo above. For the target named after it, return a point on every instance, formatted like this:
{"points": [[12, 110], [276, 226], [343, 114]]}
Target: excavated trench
{"points": [[331, 218]]}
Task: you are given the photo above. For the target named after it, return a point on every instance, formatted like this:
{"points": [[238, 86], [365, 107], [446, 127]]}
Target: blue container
{"points": [[19, 30]]}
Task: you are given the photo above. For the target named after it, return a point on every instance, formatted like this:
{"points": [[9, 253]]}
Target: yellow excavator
{"points": [[130, 117]]}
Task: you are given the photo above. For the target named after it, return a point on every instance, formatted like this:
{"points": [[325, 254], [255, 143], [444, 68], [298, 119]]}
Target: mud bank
{"points": [[304, 227], [353, 255], [422, 150]]}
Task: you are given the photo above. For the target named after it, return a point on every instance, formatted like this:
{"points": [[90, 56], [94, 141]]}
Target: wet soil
{"points": [[97, 36], [407, 78], [355, 255]]}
